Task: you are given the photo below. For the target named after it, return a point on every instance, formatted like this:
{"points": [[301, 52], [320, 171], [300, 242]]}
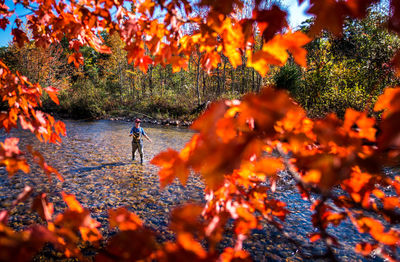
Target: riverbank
{"points": [[164, 122], [183, 120]]}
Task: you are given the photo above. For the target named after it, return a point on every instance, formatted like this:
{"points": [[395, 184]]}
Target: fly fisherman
{"points": [[137, 142]]}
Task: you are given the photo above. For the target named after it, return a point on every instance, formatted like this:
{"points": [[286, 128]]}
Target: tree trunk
{"points": [[120, 81], [133, 87], [218, 83], [161, 81], [143, 83], [197, 81], [150, 73], [233, 80], [204, 83], [242, 89], [253, 82], [223, 75]]}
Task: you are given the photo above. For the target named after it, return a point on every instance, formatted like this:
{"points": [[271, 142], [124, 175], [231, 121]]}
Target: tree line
{"points": [[347, 71], [106, 84]]}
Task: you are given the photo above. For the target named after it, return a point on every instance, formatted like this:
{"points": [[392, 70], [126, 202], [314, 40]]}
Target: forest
{"points": [[349, 71], [315, 109]]}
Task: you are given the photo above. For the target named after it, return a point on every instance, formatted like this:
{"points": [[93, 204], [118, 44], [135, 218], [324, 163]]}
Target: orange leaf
{"points": [[295, 43], [124, 219], [76, 58], [377, 231], [314, 237], [389, 101], [323, 11], [172, 165], [312, 176], [72, 203], [52, 91], [231, 254], [43, 207], [188, 243], [269, 166], [60, 128], [365, 248]]}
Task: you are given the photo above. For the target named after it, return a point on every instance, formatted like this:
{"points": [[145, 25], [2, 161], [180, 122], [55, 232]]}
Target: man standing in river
{"points": [[137, 142]]}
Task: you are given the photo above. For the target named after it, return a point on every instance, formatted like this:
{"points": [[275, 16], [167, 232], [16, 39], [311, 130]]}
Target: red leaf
{"points": [[172, 165], [43, 207], [76, 58], [71, 202], [60, 128], [314, 237], [274, 19], [52, 91], [124, 219]]}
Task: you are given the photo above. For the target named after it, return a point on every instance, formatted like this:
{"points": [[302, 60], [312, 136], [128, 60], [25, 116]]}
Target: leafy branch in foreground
{"points": [[242, 147]]}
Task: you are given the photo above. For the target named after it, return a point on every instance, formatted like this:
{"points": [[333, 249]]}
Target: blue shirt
{"points": [[137, 130]]}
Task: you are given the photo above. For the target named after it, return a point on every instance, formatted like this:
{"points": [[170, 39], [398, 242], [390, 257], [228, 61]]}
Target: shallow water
{"points": [[95, 161]]}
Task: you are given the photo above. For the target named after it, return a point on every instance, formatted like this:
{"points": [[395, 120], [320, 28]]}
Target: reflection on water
{"points": [[95, 161]]}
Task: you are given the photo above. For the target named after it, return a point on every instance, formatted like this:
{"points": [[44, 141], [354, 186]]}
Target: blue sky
{"points": [[296, 13], [296, 16]]}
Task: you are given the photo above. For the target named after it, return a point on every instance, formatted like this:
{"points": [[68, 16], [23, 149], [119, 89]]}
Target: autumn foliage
{"points": [[241, 148]]}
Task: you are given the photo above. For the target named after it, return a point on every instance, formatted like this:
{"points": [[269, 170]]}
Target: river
{"points": [[95, 161]]}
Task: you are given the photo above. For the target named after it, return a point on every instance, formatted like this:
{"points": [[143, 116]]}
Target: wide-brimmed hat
{"points": [[137, 120]]}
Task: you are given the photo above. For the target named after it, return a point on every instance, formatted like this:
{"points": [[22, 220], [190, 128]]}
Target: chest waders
{"points": [[137, 144]]}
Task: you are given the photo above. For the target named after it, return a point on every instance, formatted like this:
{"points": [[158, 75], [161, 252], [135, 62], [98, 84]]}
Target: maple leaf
{"points": [[71, 202], [10, 147], [178, 63], [230, 254], [365, 248], [59, 127], [314, 237], [389, 101], [274, 20], [76, 218], [172, 166], [269, 166], [295, 43], [25, 123], [377, 231], [224, 7], [23, 245], [143, 63], [76, 58], [11, 156], [19, 37], [124, 219], [188, 243], [130, 245], [52, 91], [258, 61], [146, 6], [275, 52], [4, 22], [186, 219], [323, 11], [43, 207], [365, 125]]}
